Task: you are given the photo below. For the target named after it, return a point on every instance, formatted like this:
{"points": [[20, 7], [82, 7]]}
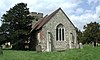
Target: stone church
{"points": [[54, 32]]}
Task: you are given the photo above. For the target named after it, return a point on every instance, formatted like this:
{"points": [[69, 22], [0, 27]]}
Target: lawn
{"points": [[87, 53]]}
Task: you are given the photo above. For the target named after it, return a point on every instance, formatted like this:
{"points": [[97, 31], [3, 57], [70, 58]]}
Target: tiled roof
{"points": [[36, 26], [45, 19]]}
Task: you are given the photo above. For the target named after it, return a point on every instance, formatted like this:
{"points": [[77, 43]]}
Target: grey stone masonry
{"points": [[69, 33], [55, 32]]}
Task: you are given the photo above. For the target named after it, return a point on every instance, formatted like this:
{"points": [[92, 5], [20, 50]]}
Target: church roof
{"points": [[45, 19]]}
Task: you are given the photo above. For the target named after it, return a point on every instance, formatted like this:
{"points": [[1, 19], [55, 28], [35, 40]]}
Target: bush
{"points": [[18, 46], [1, 51]]}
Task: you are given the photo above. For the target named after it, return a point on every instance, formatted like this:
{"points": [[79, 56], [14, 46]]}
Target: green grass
{"points": [[87, 53]]}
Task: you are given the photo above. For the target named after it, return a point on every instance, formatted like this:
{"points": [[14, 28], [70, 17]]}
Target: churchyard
{"points": [[87, 53]]}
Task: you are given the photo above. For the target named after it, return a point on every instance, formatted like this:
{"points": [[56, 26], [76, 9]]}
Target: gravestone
{"points": [[38, 48], [80, 46], [93, 44], [1, 52]]}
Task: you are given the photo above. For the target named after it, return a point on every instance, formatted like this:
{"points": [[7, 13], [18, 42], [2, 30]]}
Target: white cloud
{"points": [[42, 5], [98, 10], [79, 11], [97, 15], [84, 19], [78, 15], [93, 1]]}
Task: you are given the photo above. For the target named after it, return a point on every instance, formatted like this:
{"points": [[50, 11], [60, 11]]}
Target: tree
{"points": [[98, 35], [16, 24], [91, 32], [79, 37]]}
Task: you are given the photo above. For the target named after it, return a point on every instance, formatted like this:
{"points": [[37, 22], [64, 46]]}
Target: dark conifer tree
{"points": [[16, 24]]}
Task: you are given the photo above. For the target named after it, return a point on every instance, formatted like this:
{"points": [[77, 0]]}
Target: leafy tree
{"points": [[98, 35], [16, 24], [91, 32], [79, 36], [3, 34]]}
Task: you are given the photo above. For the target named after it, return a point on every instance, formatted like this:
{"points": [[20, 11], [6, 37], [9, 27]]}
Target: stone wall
{"points": [[60, 18]]}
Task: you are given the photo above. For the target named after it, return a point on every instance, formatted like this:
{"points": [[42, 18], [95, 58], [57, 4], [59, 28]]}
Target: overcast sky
{"points": [[80, 12]]}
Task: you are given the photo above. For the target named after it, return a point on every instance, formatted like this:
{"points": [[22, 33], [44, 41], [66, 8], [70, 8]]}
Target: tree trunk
{"points": [[94, 43]]}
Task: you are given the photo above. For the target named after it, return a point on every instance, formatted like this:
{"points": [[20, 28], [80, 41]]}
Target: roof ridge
{"points": [[37, 24], [47, 18]]}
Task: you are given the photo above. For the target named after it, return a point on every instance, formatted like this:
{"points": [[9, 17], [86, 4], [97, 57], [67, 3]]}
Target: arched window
{"points": [[60, 33]]}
